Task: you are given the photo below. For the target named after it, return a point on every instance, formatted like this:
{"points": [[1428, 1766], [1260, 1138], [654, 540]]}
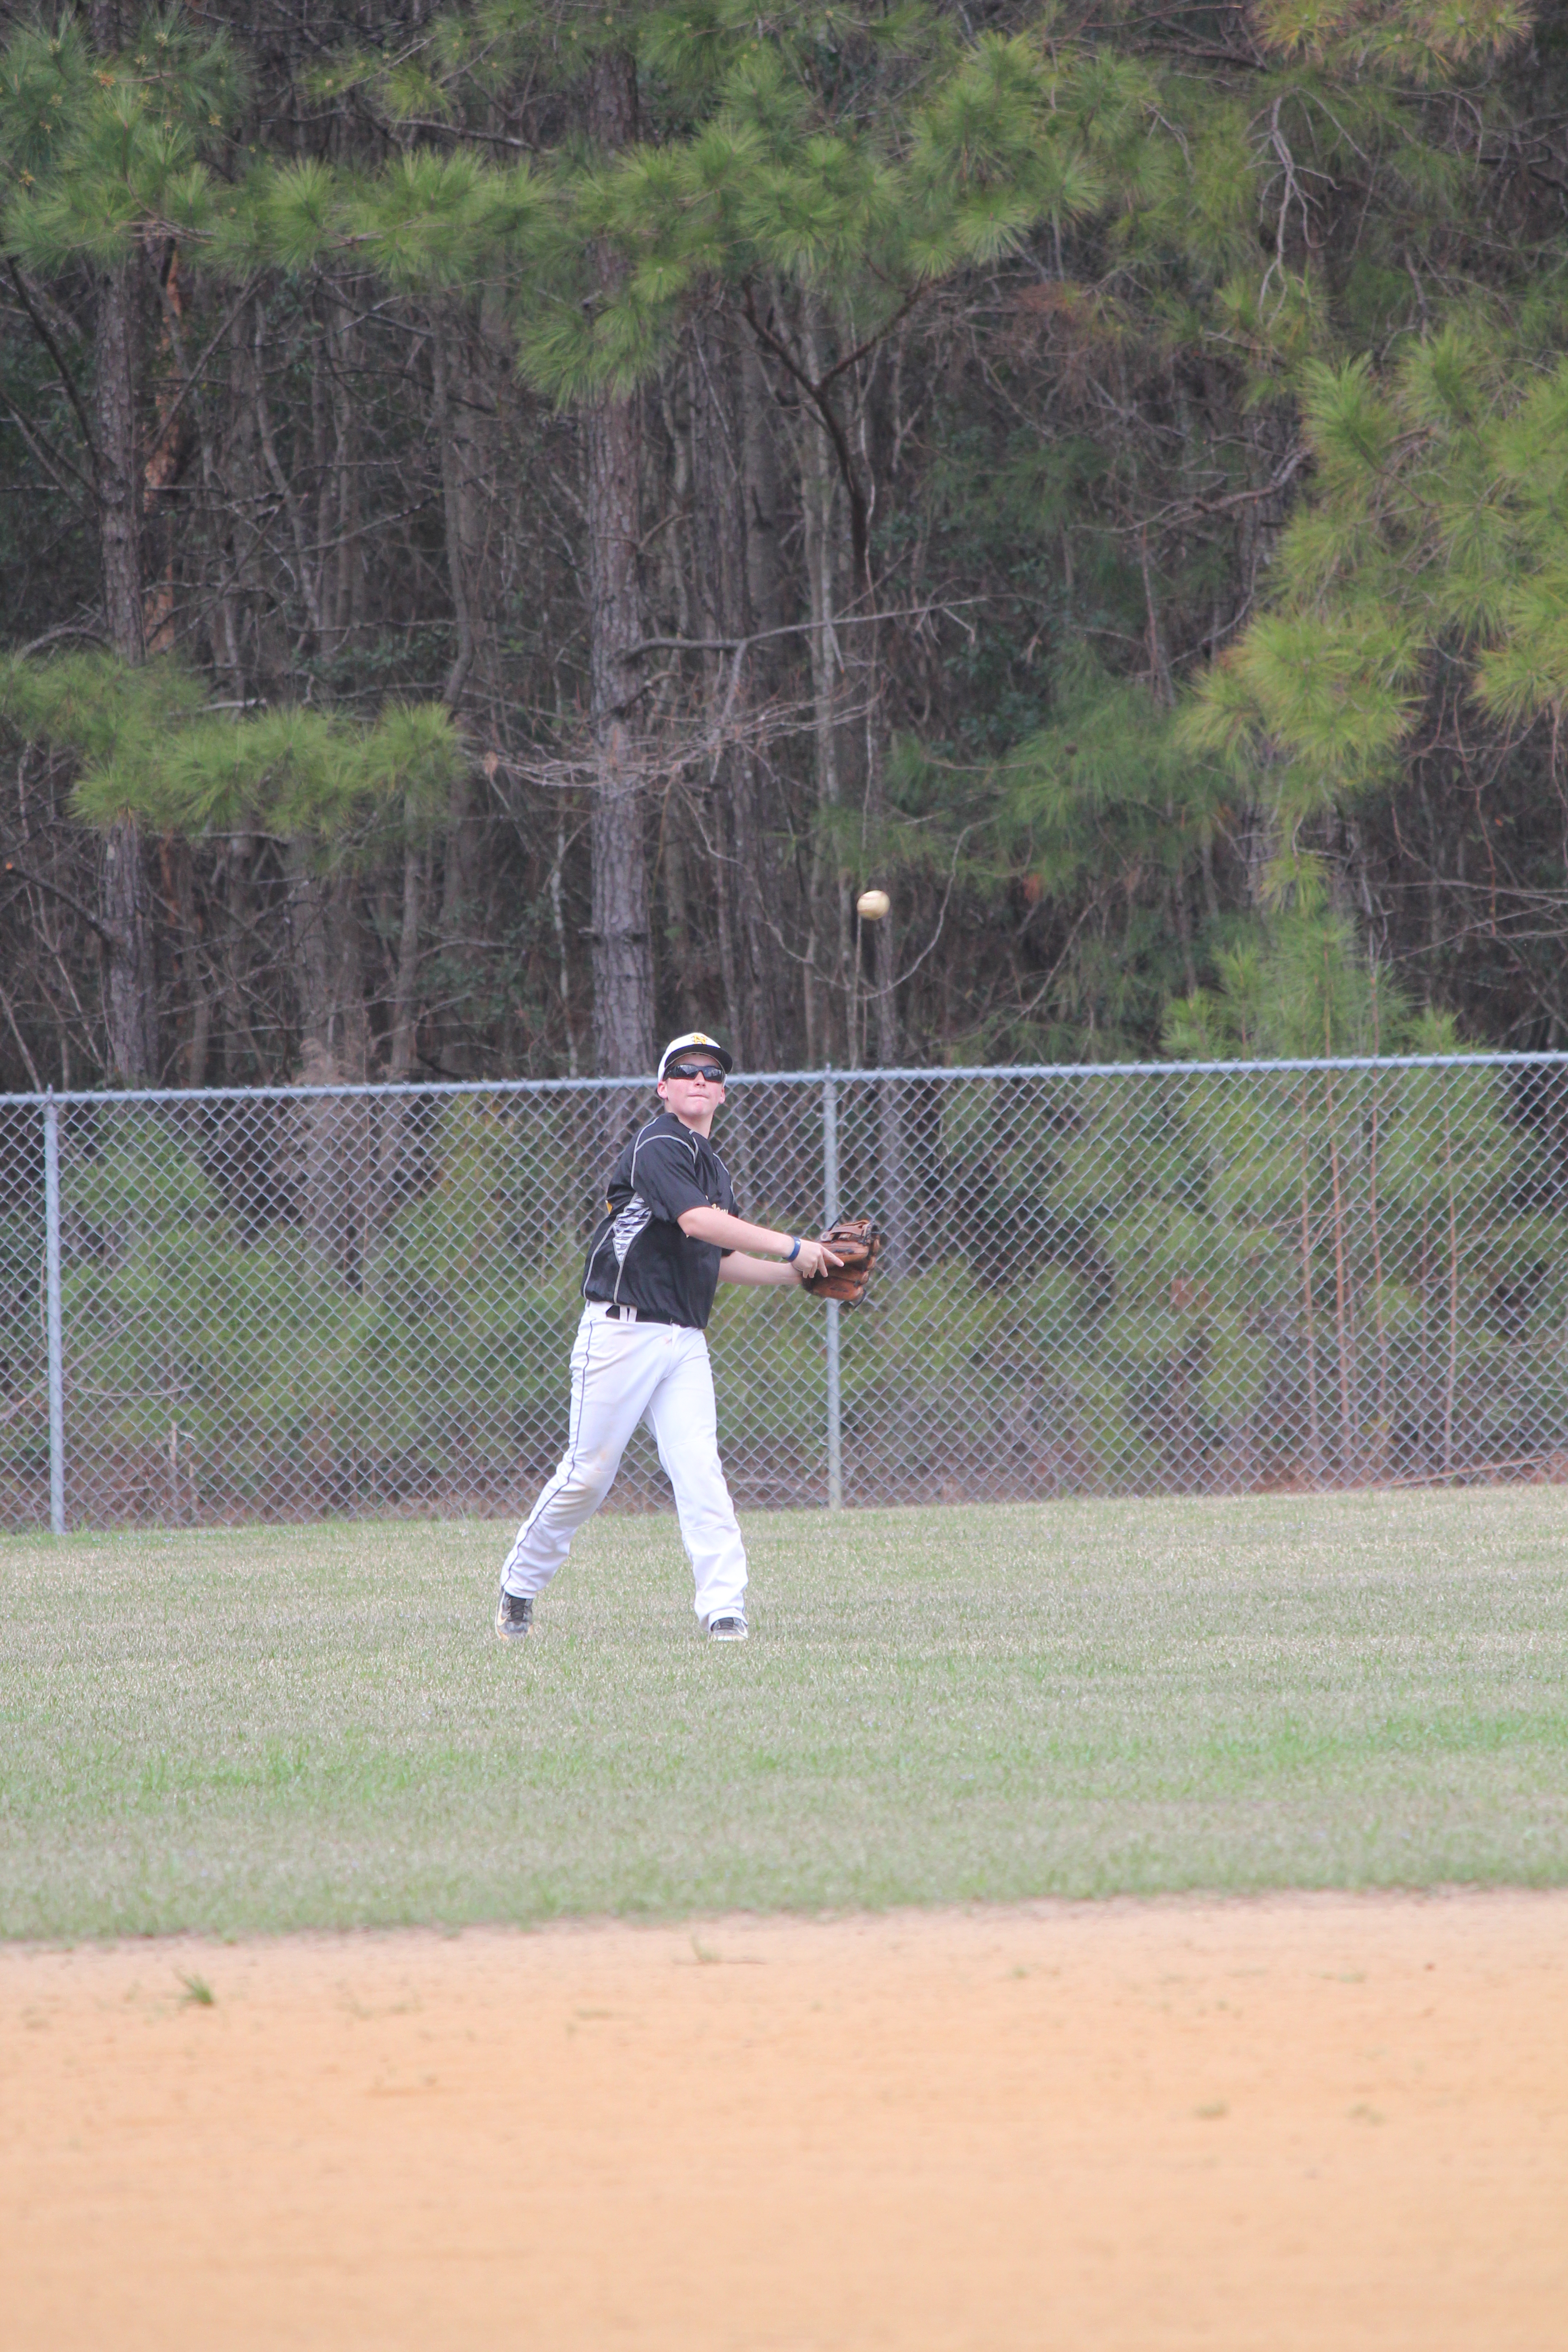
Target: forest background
{"points": [[514, 514]]}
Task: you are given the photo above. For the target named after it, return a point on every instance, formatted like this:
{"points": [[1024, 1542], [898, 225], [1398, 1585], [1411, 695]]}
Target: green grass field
{"points": [[314, 1726]]}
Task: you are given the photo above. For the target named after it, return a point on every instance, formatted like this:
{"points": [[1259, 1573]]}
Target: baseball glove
{"points": [[857, 1241]]}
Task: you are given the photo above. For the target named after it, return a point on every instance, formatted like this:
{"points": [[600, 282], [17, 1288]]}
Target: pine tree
{"points": [[975, 383], [820, 208], [106, 127]]}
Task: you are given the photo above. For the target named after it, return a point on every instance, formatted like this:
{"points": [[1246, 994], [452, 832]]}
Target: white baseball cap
{"points": [[694, 1038]]}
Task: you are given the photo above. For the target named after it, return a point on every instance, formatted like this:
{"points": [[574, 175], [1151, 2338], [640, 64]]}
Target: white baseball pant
{"points": [[622, 1373]]}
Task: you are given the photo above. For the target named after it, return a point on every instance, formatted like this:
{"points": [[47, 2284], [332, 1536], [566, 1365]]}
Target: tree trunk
{"points": [[622, 930], [242, 1057], [130, 981], [173, 437], [125, 904], [131, 978], [118, 504], [334, 1032], [458, 415], [830, 970], [114, 424], [747, 892], [336, 429], [760, 459], [338, 1172], [234, 469], [405, 1001], [876, 806]]}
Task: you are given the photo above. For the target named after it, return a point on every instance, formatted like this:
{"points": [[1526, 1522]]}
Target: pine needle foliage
{"points": [[1308, 990], [146, 748], [1108, 774], [97, 152], [787, 179], [1431, 546]]}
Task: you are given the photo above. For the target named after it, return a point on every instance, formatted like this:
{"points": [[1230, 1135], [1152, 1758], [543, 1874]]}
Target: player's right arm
{"points": [[706, 1225], [760, 1273]]}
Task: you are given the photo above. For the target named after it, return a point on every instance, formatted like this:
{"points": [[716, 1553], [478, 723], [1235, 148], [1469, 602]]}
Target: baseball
{"points": [[872, 905]]}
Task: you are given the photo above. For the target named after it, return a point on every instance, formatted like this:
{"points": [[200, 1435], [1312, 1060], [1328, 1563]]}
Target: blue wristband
{"points": [[794, 1253]]}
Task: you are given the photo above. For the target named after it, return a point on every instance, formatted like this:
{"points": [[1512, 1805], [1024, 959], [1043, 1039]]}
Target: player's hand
{"points": [[814, 1259]]}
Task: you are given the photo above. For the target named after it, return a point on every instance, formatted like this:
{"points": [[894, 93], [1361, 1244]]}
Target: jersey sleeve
{"points": [[665, 1176]]}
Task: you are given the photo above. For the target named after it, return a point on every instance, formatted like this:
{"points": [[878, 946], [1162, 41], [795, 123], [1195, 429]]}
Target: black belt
{"points": [[634, 1314]]}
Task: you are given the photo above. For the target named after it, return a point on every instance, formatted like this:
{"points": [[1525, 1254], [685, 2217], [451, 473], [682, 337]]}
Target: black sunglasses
{"points": [[695, 1070]]}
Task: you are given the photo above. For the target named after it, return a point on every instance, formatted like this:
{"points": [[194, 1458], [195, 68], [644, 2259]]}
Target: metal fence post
{"points": [[830, 1212], [52, 1317]]}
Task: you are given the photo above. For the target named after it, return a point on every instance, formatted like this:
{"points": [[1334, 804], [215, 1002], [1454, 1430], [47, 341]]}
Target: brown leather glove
{"points": [[857, 1241]]}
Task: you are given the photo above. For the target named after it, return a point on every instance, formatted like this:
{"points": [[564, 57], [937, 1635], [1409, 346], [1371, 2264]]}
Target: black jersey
{"points": [[639, 1256]]}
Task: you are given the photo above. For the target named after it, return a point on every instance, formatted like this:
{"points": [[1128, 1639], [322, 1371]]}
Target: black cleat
{"points": [[514, 1615]]}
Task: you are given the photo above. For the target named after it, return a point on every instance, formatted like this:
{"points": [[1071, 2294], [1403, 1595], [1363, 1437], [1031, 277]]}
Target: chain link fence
{"points": [[288, 1303]]}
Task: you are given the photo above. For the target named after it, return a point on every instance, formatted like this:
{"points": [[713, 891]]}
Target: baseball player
{"points": [[669, 1236]]}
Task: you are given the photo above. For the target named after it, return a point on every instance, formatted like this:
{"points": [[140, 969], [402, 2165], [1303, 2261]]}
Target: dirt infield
{"points": [[1302, 2122]]}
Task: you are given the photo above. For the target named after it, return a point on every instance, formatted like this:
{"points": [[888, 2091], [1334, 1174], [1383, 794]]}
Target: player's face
{"points": [[694, 1090]]}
